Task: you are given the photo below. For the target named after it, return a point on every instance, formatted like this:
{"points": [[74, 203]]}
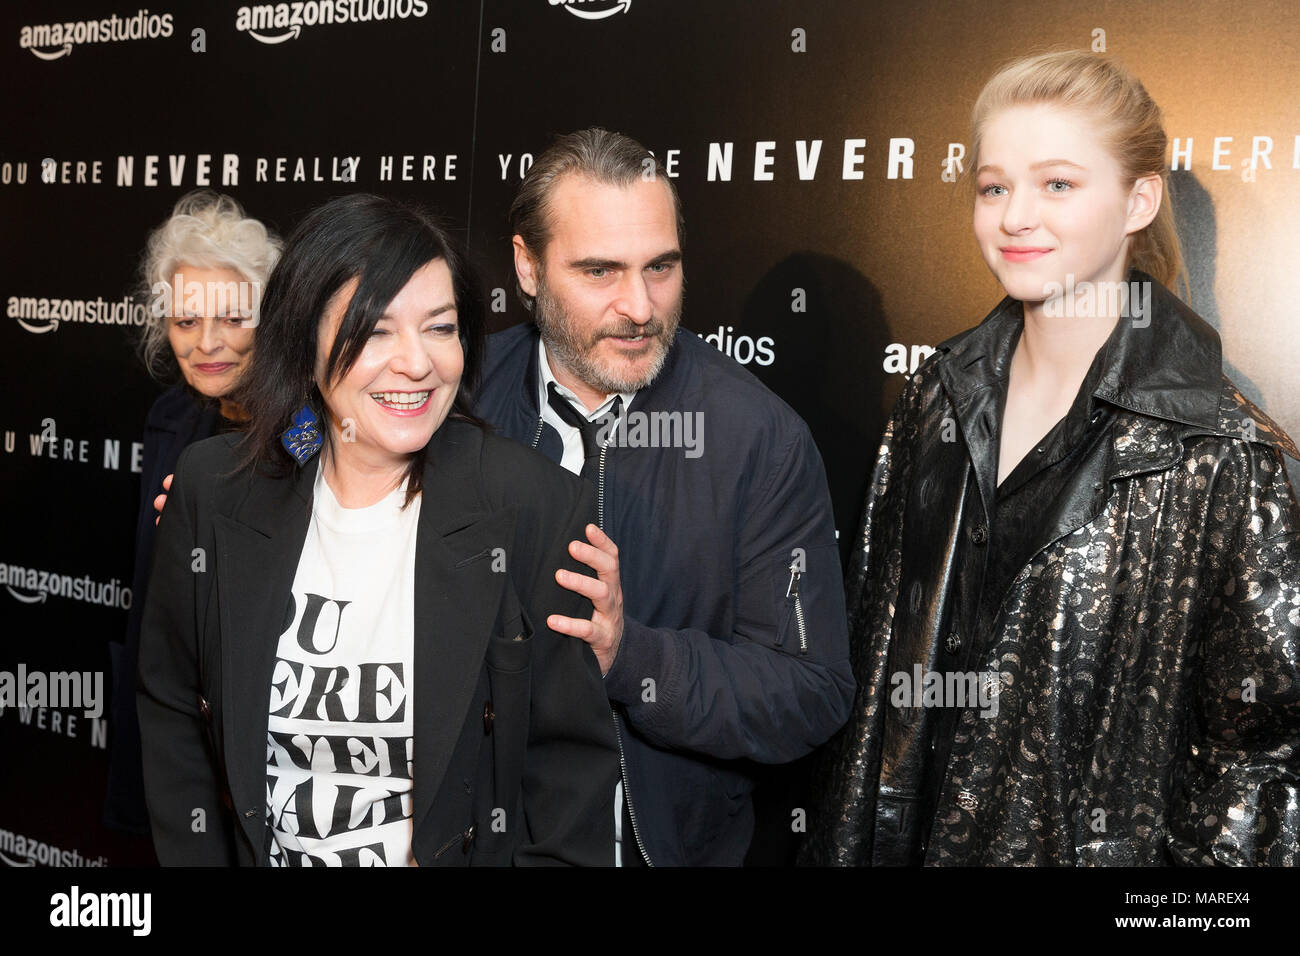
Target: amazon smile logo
{"points": [[274, 23], [593, 9], [34, 586], [41, 314], [16, 849], [61, 37]]}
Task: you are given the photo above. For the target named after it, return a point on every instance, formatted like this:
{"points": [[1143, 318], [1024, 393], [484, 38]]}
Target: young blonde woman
{"points": [[1075, 596]]}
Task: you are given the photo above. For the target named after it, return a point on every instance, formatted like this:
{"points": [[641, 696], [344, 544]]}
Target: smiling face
{"points": [[1051, 201], [401, 387], [211, 350], [608, 287]]}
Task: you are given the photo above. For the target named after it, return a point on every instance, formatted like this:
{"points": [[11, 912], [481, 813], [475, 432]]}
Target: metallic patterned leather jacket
{"points": [[1145, 663]]}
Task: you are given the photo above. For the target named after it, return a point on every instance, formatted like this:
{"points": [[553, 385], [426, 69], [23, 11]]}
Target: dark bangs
{"points": [[381, 243]]}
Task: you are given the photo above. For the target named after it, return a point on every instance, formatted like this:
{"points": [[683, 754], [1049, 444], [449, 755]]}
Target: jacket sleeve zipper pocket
{"points": [[792, 590]]}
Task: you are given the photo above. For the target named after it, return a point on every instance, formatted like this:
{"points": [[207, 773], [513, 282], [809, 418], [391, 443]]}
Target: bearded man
{"points": [[719, 618]]}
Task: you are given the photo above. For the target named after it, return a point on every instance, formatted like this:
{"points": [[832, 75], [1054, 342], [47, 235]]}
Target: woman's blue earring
{"points": [[303, 438]]}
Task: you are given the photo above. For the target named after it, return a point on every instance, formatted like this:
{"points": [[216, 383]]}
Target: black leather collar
{"points": [[1168, 366]]}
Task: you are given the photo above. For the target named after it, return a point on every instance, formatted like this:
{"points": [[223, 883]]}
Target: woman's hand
{"points": [[605, 629], [162, 499]]}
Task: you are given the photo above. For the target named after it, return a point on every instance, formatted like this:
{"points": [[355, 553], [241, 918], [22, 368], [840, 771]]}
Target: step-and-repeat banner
{"points": [[827, 244]]}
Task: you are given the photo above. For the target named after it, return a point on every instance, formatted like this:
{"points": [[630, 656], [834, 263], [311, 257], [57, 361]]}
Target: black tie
{"points": [[589, 430]]}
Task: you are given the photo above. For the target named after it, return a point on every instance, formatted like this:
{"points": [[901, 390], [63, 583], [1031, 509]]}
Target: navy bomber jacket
{"points": [[735, 648]]}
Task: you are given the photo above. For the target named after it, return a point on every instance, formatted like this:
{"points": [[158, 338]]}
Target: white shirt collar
{"points": [[546, 376]]}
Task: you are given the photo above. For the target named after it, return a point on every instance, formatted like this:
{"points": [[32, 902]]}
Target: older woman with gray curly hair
{"points": [[202, 273]]}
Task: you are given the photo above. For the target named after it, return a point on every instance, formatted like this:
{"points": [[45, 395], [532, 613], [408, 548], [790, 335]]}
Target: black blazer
{"points": [[177, 419], [509, 716]]}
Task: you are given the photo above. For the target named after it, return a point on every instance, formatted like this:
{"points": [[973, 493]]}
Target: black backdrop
{"points": [[837, 268]]}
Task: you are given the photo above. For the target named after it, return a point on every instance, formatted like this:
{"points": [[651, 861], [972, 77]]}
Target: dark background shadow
{"points": [[1197, 227], [829, 367]]}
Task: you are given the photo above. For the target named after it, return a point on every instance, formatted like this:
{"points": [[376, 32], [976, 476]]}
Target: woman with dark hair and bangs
{"points": [[345, 658]]}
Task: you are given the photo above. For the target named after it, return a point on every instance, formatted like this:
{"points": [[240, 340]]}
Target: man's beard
{"points": [[573, 349]]}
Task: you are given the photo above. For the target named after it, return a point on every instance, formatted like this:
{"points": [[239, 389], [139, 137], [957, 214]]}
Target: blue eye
{"points": [[988, 190], [1059, 182]]}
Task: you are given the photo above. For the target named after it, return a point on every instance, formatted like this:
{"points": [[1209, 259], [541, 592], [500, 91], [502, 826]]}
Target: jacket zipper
{"points": [[205, 710], [618, 732], [792, 590], [600, 489], [466, 838], [627, 792]]}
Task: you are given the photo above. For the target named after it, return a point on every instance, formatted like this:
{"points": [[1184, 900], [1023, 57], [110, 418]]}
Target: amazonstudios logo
{"points": [[50, 41], [743, 348], [278, 22]]}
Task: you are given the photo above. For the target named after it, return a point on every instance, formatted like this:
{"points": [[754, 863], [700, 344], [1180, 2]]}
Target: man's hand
{"points": [[162, 499], [605, 629]]}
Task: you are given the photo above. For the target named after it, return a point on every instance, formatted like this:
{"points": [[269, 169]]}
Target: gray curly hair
{"points": [[206, 230]]}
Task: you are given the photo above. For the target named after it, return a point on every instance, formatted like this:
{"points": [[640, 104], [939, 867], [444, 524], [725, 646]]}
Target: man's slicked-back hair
{"points": [[604, 157]]}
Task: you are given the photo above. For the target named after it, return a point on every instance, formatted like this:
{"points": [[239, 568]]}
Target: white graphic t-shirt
{"points": [[339, 754]]}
